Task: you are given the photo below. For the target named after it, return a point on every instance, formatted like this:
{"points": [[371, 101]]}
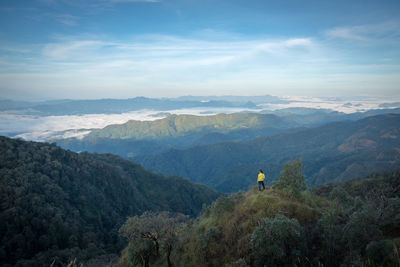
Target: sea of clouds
{"points": [[47, 128]]}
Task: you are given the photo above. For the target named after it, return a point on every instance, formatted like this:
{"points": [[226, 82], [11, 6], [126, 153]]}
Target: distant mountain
{"points": [[315, 117], [183, 125], [108, 106], [136, 138], [265, 99], [58, 205], [331, 153]]}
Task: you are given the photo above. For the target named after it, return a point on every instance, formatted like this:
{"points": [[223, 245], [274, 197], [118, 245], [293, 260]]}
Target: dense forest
{"points": [[334, 152], [356, 223], [57, 205]]}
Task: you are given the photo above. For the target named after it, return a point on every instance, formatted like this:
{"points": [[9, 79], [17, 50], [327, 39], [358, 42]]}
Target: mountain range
{"points": [[109, 106], [58, 204], [136, 138], [331, 153]]}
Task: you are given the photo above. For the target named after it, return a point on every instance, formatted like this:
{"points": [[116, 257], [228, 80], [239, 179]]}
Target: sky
{"points": [[89, 49]]}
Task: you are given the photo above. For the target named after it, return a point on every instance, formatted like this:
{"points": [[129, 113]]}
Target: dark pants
{"points": [[259, 185]]}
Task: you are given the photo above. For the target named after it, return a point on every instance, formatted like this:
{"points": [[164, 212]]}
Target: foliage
{"points": [[152, 235], [58, 205], [278, 242], [338, 227], [291, 179]]}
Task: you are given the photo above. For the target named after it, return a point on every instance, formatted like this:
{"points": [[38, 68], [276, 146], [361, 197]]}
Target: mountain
{"points": [[332, 153], [109, 106], [136, 138], [356, 223], [183, 125], [57, 204], [237, 99]]}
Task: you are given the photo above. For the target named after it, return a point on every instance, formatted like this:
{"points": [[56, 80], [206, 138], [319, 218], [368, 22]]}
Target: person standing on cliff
{"points": [[260, 180]]}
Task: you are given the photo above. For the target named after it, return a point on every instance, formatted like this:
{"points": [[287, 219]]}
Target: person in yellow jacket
{"points": [[260, 179]]}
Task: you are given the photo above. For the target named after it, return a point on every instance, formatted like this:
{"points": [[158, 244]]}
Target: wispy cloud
{"points": [[67, 19], [351, 33], [170, 48], [73, 50], [85, 65], [382, 32]]}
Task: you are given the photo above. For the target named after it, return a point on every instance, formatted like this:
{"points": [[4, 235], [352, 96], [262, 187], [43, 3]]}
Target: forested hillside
{"points": [[174, 126], [137, 138], [57, 204], [350, 224], [332, 153]]}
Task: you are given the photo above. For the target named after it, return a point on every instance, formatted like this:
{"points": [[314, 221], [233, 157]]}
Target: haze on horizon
{"points": [[88, 49]]}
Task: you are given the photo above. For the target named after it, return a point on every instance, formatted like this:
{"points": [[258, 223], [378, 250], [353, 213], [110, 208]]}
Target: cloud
{"points": [[351, 33], [382, 32], [305, 42], [67, 19], [170, 49], [42, 128], [72, 49], [91, 66]]}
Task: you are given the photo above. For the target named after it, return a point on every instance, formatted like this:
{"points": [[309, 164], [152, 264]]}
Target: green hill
{"points": [[350, 224], [57, 204], [136, 138], [332, 153], [176, 126]]}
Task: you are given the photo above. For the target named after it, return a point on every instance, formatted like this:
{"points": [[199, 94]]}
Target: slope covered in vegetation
{"points": [[352, 224], [57, 204], [174, 126], [332, 153], [136, 138]]}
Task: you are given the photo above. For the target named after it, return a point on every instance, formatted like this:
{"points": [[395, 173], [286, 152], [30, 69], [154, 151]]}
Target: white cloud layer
{"points": [[43, 128]]}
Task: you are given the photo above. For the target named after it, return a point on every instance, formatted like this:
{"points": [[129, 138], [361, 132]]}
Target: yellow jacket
{"points": [[261, 177]]}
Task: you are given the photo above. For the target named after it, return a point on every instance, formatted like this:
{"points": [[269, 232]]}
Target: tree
{"points": [[152, 235], [278, 242], [291, 178], [329, 231]]}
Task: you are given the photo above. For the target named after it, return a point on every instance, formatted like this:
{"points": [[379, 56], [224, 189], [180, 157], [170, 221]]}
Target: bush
{"points": [[278, 242], [291, 178]]}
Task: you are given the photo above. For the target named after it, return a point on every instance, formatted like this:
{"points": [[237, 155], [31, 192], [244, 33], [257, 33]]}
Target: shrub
{"points": [[278, 242], [291, 178]]}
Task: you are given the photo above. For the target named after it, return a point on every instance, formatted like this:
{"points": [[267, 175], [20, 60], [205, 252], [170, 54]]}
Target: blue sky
{"points": [[53, 49]]}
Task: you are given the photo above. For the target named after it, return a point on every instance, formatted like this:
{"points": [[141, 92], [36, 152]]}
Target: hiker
{"points": [[260, 179]]}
